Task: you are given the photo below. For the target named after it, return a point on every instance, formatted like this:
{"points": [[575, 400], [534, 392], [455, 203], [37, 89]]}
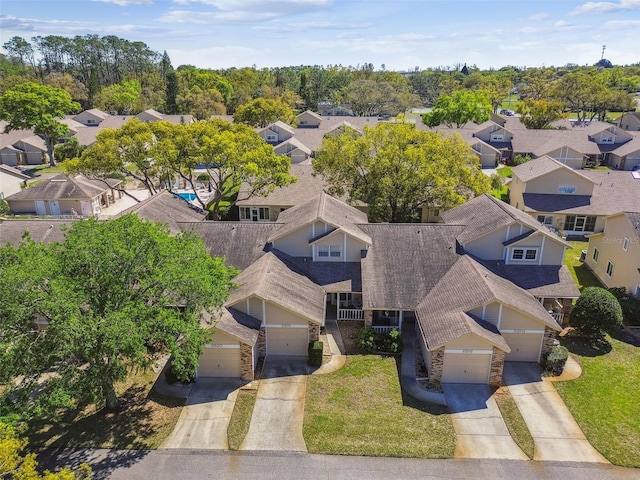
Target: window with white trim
{"points": [[567, 189], [526, 254], [272, 138], [625, 244], [497, 137], [333, 251], [610, 267], [607, 139], [596, 254], [546, 219]]}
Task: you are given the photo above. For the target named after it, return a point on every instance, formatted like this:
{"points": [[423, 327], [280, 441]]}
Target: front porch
{"points": [[558, 308]]}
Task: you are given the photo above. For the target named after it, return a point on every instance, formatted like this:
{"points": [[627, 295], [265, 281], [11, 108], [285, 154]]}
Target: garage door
{"points": [[525, 345], [220, 360], [466, 366], [287, 339]]}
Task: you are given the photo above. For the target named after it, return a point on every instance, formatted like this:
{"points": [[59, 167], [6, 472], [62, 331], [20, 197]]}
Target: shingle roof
{"points": [[634, 220], [541, 166], [324, 208], [613, 192], [465, 286], [236, 323], [14, 172], [64, 187], [539, 280], [241, 243], [405, 262], [485, 214], [40, 230], [275, 280], [167, 208]]}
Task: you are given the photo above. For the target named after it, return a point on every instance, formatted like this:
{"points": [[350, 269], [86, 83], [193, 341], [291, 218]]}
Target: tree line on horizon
{"points": [[125, 77]]}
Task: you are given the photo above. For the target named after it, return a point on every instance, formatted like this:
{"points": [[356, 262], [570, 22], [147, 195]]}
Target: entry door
{"points": [[40, 208], [54, 206], [580, 224]]}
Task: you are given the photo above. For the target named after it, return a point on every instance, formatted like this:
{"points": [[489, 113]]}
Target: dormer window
{"points": [[333, 251], [567, 189], [497, 137], [272, 138], [607, 140], [527, 254]]}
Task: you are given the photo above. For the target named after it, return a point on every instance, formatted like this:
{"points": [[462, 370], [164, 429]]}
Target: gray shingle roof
{"points": [[166, 208], [324, 208], [613, 192], [541, 166], [485, 214], [465, 286], [634, 220], [41, 230], [276, 280], [236, 323], [405, 262], [547, 281], [63, 187], [241, 243], [13, 172]]}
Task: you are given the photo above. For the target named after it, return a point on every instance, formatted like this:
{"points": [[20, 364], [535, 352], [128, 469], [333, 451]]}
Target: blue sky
{"points": [[401, 34]]}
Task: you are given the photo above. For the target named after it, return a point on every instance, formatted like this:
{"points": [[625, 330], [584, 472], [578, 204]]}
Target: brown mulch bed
{"points": [[349, 331]]}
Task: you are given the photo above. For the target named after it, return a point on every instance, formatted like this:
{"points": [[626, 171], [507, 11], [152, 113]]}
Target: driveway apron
{"points": [[205, 417], [278, 414], [556, 435], [480, 428]]}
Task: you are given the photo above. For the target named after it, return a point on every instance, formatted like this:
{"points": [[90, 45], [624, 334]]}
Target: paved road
{"points": [[203, 464]]}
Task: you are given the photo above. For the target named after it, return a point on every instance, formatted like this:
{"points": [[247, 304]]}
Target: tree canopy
{"points": [[596, 312], [38, 107], [396, 169], [261, 112], [459, 108], [114, 297]]}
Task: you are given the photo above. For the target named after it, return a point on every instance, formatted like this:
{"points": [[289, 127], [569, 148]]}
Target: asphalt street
{"points": [[202, 464]]}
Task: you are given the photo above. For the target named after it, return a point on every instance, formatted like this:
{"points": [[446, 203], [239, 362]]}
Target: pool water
{"points": [[189, 197]]}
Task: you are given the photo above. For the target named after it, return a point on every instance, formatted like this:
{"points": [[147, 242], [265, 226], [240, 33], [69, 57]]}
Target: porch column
{"points": [[368, 318]]}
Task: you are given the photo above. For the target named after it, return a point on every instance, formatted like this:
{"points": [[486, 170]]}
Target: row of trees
{"points": [[118, 75]]}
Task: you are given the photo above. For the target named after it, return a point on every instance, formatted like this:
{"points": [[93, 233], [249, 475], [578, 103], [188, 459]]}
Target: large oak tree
{"points": [[397, 169], [114, 296]]}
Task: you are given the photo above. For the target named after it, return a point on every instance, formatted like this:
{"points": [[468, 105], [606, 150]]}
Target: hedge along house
{"points": [[322, 260]]}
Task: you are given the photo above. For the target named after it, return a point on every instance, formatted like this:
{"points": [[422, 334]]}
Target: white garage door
{"points": [[220, 360], [525, 345], [287, 339], [466, 366]]}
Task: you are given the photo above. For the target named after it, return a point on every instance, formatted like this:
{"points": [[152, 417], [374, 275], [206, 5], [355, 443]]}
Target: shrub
{"points": [[595, 312], [4, 207], [315, 353], [629, 304], [520, 159], [557, 359], [372, 341]]}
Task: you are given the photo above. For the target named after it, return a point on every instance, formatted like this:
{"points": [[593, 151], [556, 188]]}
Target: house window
{"points": [[272, 138], [527, 254], [254, 214], [579, 223], [91, 121], [567, 189], [333, 251], [610, 267], [596, 254], [546, 219], [436, 212], [497, 137], [607, 140], [625, 244]]}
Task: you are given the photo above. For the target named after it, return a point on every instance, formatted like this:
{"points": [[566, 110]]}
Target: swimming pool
{"points": [[189, 197]]}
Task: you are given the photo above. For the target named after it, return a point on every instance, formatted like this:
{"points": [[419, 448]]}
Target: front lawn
{"points": [[144, 421], [605, 400], [515, 422], [361, 410], [241, 418], [579, 271]]}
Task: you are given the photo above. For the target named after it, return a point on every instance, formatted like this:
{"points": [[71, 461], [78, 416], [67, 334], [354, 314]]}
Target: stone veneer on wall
{"points": [[262, 342], [436, 364], [368, 318], [246, 362], [567, 306], [314, 332], [497, 366]]}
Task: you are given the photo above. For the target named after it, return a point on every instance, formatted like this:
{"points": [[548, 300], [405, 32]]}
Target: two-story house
{"points": [[614, 254], [322, 259]]}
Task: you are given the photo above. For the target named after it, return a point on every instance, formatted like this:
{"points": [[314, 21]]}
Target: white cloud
{"points": [[528, 30], [277, 7], [315, 26], [606, 7], [126, 3], [536, 17], [616, 24], [562, 24], [211, 18]]}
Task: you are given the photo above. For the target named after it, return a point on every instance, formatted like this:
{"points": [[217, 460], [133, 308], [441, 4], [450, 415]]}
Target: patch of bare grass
{"points": [[241, 418]]}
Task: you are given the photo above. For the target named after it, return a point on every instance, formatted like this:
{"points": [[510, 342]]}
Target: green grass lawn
{"points": [[514, 421], [605, 400], [361, 410], [579, 271], [241, 418], [505, 171]]}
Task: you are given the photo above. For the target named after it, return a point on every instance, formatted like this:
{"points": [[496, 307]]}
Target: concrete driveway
{"points": [[278, 413], [480, 428], [556, 435], [205, 417]]}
